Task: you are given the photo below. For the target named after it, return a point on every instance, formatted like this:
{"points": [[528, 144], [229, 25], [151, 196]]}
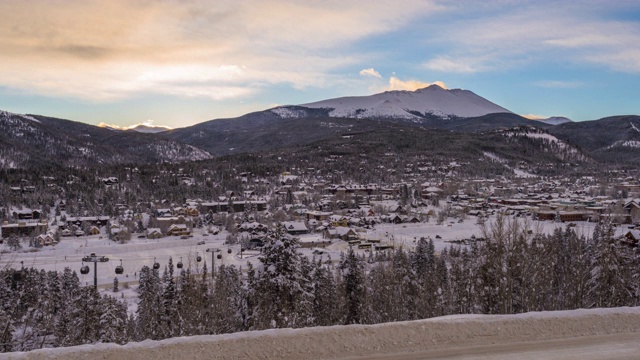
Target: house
{"points": [[26, 214], [430, 192], [632, 208], [46, 239], [94, 230], [92, 220], [318, 215], [192, 211], [295, 227], [395, 219], [342, 233], [163, 213], [397, 209], [154, 233], [564, 216], [410, 219], [338, 220], [252, 227], [633, 235], [178, 229], [66, 233]]}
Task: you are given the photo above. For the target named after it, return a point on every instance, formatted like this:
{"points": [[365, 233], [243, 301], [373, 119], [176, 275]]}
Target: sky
{"points": [[181, 62]]}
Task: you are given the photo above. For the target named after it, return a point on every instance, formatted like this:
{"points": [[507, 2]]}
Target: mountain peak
{"points": [[432, 87], [432, 100]]}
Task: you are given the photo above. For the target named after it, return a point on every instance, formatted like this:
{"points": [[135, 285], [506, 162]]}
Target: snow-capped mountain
{"points": [[427, 102], [149, 129]]}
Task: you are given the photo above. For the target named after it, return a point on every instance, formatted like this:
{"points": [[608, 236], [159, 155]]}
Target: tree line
{"points": [[512, 271]]}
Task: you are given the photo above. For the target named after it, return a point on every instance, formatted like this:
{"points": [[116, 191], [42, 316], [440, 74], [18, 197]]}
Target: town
{"points": [[327, 217]]}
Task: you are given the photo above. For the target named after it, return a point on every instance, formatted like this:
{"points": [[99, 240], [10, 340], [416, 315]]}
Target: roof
{"points": [[295, 226], [634, 234]]}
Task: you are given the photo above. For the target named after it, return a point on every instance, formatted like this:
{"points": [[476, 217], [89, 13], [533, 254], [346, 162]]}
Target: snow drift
{"points": [[362, 340]]}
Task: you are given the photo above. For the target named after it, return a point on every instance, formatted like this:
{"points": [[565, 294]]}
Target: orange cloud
{"points": [[109, 50], [534, 116], [411, 85]]}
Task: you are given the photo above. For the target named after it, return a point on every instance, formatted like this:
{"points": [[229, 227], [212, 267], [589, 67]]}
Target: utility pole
{"points": [[95, 260]]}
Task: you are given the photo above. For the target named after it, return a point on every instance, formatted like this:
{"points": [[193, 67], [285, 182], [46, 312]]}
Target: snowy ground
{"points": [[139, 252], [578, 334]]}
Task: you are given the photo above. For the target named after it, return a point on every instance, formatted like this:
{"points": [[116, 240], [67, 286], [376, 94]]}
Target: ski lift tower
{"points": [[213, 266], [95, 260]]}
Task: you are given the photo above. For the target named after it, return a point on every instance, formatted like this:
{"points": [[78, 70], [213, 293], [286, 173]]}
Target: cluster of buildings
{"points": [[341, 211]]}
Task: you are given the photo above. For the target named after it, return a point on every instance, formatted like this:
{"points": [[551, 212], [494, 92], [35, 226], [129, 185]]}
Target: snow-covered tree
{"points": [[353, 288], [279, 282]]}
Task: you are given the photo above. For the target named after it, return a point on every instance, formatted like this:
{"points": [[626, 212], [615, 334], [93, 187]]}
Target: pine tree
{"points": [[70, 292], [609, 275], [353, 288], [113, 322], [169, 325], [149, 305], [279, 282], [86, 312], [228, 301], [324, 295]]}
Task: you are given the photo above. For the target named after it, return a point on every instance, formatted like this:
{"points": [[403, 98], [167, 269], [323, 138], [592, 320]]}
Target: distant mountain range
{"points": [[29, 140], [142, 128], [40, 141]]}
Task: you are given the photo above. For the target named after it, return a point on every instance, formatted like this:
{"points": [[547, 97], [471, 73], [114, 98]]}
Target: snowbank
{"points": [[361, 340]]}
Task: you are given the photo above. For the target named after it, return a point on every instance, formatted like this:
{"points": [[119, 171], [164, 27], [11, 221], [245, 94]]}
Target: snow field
{"points": [[336, 342], [140, 252]]}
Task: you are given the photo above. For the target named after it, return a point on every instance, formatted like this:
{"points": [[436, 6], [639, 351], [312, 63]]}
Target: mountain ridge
{"points": [[35, 139]]}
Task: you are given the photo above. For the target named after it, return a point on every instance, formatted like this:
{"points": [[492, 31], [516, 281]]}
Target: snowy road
{"points": [[611, 347], [578, 334]]}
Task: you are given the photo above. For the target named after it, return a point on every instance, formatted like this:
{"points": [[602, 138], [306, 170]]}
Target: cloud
{"points": [[110, 50], [534, 116], [370, 72], [447, 64], [559, 84], [410, 85], [506, 35]]}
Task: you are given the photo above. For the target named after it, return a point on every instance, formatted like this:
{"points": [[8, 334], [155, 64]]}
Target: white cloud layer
{"points": [[559, 84], [506, 35], [370, 72], [446, 64], [109, 50]]}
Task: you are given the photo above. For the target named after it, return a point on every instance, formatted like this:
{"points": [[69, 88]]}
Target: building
{"points": [[295, 227], [178, 229], [24, 229]]}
